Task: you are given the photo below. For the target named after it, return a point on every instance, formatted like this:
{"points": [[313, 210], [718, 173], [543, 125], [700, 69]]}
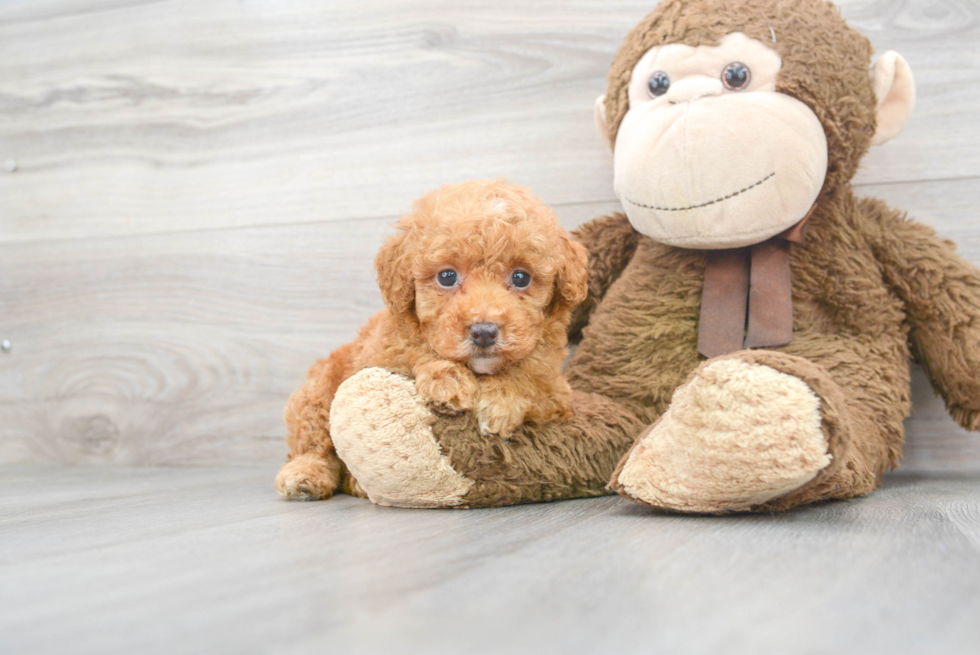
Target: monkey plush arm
{"points": [[611, 242], [941, 293]]}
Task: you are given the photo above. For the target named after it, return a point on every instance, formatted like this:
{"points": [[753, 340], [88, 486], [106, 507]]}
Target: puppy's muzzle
{"points": [[484, 335]]}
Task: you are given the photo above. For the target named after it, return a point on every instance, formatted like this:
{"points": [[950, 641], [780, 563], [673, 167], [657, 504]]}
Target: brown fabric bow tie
{"points": [[752, 282]]}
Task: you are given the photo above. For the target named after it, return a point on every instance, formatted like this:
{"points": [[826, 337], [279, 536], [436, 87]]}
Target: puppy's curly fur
{"points": [[457, 319]]}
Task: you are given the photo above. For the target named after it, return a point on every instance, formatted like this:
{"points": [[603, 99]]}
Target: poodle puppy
{"points": [[478, 284]]}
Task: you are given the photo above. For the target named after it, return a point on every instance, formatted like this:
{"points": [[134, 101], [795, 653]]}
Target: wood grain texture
{"points": [[176, 348], [210, 560], [154, 116], [201, 187]]}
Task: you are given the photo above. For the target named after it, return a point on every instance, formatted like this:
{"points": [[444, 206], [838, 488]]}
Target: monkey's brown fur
{"points": [[871, 291], [484, 230], [870, 288]]}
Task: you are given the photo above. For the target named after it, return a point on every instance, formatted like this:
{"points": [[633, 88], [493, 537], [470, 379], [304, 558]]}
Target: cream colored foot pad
{"points": [[736, 435], [381, 430]]}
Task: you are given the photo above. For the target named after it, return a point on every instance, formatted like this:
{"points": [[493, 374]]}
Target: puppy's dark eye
{"points": [[520, 279], [658, 84], [736, 76], [447, 278]]}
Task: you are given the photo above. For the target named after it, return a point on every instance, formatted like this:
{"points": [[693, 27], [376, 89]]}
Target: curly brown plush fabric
{"points": [[551, 462]]}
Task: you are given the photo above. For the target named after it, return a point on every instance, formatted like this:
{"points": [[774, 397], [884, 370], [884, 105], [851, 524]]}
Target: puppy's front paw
{"points": [[450, 386], [308, 477], [500, 419]]}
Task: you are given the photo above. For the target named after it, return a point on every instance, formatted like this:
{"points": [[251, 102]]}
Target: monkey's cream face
{"points": [[709, 154]]}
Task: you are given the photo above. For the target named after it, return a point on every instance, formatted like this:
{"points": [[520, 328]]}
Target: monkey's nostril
{"points": [[484, 334]]}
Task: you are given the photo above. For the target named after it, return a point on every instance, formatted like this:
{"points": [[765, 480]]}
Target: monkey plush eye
{"points": [[520, 279], [447, 278], [736, 76], [658, 84]]}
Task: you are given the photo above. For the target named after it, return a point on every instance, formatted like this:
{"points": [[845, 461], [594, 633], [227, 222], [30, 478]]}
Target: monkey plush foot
{"points": [[382, 430], [738, 434]]}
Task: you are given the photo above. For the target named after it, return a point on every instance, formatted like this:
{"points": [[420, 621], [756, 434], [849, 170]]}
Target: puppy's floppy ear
{"points": [[394, 266], [572, 279]]}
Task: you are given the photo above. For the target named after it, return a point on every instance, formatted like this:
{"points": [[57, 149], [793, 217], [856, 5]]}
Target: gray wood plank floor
{"points": [[212, 561], [200, 188]]}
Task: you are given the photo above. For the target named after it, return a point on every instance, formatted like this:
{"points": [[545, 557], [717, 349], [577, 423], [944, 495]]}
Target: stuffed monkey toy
{"points": [[746, 341]]}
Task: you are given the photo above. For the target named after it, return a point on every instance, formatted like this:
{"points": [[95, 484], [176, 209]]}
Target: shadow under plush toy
{"points": [[746, 341]]}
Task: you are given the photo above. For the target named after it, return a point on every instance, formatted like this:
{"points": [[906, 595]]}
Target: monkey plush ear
{"points": [[600, 119], [895, 93]]}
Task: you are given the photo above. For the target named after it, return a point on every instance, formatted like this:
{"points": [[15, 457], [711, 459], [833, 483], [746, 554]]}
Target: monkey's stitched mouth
{"points": [[703, 204]]}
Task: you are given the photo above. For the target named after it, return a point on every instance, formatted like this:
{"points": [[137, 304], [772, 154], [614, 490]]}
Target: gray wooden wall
{"points": [[192, 191]]}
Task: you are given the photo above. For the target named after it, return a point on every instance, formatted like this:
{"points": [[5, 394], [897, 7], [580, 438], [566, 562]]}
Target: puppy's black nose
{"points": [[484, 334]]}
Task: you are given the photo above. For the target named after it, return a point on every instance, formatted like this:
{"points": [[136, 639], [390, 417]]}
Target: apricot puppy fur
{"points": [[478, 285]]}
